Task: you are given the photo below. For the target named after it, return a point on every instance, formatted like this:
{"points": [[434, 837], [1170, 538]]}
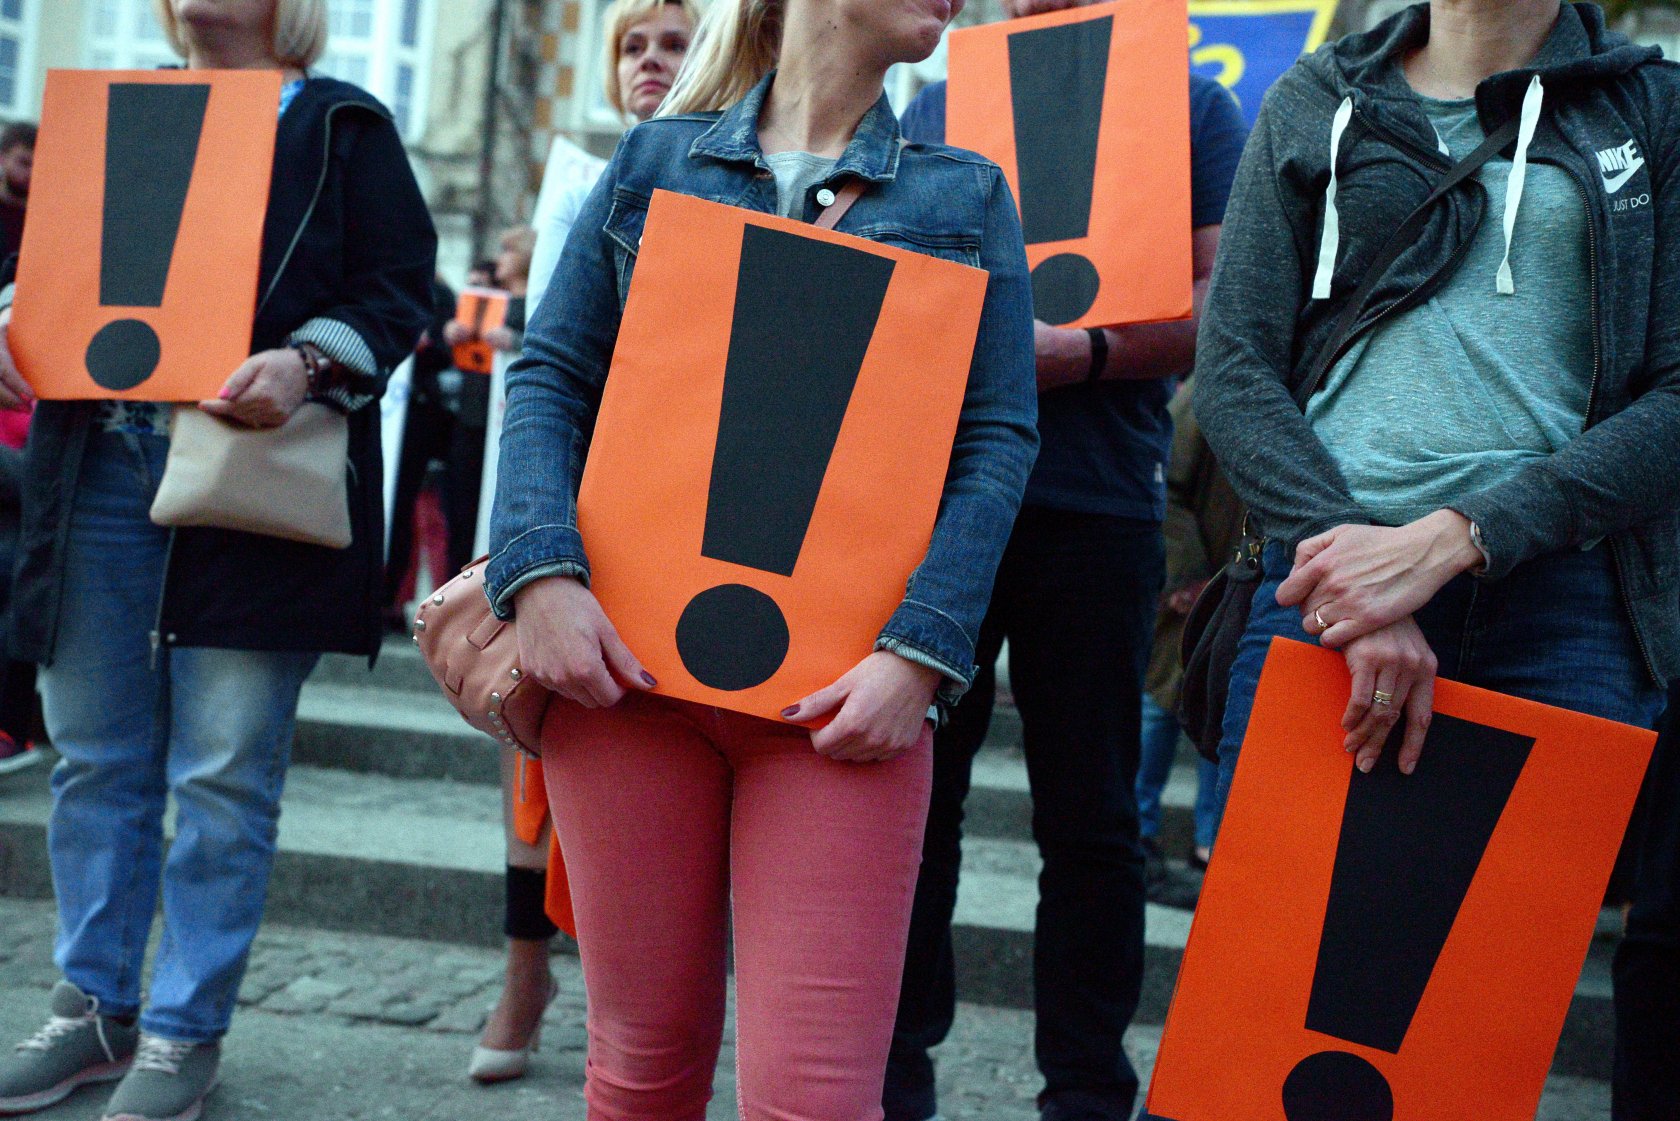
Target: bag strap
{"points": [[1404, 236], [843, 200]]}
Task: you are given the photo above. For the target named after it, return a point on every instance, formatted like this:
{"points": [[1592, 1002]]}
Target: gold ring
{"points": [[1381, 698], [1319, 619]]}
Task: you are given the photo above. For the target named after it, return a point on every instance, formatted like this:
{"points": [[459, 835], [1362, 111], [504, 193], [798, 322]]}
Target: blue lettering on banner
{"points": [[1246, 45]]}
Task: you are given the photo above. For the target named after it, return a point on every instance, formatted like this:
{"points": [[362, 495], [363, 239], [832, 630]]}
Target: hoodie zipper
{"points": [[1592, 393]]}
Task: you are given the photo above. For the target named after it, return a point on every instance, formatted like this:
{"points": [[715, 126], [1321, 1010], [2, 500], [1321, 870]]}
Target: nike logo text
{"points": [[1619, 165]]}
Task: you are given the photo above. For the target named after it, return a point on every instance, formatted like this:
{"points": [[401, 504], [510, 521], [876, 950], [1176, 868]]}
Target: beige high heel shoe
{"points": [[489, 1064]]}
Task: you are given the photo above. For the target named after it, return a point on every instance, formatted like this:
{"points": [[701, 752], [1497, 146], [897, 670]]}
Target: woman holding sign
{"points": [[1440, 361], [173, 659], [646, 43], [668, 811]]}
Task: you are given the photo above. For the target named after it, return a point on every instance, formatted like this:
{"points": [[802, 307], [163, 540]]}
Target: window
{"points": [[379, 45], [351, 19], [345, 66], [125, 35], [402, 98], [11, 49], [16, 99], [411, 23]]}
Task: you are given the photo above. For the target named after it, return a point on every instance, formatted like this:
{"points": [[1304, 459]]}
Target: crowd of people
{"points": [[1435, 402]]}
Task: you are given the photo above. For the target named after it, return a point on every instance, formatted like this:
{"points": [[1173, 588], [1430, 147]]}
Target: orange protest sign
{"points": [[771, 448], [480, 310], [138, 274], [1087, 111], [1386, 947]]}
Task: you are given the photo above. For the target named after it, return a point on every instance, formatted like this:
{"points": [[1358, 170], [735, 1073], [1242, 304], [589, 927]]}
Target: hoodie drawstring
{"points": [[1505, 283], [1331, 243]]}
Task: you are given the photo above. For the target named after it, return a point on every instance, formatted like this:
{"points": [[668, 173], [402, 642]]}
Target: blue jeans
{"points": [[211, 727], [1161, 734], [1554, 631]]}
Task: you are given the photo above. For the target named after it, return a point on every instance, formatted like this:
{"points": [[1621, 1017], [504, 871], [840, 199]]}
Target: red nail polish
{"points": [[648, 678], [224, 394], [790, 712]]}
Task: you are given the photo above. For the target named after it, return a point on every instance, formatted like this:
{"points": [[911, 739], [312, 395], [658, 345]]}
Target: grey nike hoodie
{"points": [[1341, 155]]}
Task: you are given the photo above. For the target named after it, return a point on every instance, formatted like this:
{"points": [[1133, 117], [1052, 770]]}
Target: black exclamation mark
{"points": [[1409, 847], [805, 311], [1057, 78], [151, 143]]}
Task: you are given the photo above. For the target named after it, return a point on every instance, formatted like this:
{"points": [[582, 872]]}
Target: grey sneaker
{"points": [[168, 1082], [77, 1046]]}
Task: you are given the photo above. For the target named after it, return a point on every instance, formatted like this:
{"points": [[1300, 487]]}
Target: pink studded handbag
{"points": [[475, 658]]}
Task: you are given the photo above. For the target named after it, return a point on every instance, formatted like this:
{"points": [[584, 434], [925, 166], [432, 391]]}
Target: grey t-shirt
{"points": [[796, 173], [1456, 394]]}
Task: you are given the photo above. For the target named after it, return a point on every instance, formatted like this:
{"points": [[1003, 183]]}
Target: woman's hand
{"points": [[504, 339], [880, 704], [264, 392], [1356, 579], [455, 333], [567, 644], [1395, 662], [15, 394]]}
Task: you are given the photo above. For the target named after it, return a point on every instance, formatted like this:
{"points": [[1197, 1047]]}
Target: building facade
{"points": [[479, 88]]}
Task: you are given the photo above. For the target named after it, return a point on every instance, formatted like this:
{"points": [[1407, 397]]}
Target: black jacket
{"points": [[347, 263], [1261, 331]]}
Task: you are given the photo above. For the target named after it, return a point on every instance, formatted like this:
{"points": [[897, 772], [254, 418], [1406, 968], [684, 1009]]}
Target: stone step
{"points": [[400, 733], [422, 858]]}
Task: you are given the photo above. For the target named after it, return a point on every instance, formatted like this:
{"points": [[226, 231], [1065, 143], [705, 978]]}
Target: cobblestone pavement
{"points": [[346, 1027]]}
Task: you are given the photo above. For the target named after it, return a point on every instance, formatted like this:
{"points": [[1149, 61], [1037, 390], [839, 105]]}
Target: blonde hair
{"points": [[619, 18], [300, 30], [736, 45], [521, 241]]}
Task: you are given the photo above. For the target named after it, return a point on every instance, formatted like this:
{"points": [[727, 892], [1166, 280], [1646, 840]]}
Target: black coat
{"points": [[347, 261]]}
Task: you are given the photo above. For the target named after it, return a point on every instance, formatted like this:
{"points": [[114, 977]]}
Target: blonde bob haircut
{"points": [[619, 18], [300, 30], [736, 45]]}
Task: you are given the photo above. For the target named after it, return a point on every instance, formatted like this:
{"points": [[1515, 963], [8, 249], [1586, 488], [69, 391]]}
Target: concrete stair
{"points": [[392, 826]]}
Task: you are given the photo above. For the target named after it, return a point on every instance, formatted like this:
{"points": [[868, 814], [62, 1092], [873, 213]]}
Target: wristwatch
{"points": [[1481, 547]]}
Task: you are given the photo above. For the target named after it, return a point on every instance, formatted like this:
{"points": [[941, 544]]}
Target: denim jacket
{"points": [[927, 198]]}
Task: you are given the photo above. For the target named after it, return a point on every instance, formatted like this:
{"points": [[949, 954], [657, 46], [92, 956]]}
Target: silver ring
{"points": [[1382, 699], [1319, 619]]}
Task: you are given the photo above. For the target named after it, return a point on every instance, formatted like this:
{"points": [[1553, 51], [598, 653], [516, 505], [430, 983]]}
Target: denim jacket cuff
{"points": [[547, 550], [930, 638]]}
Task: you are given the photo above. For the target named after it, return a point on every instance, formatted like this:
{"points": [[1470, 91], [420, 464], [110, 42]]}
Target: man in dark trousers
{"points": [[1076, 598], [17, 161]]}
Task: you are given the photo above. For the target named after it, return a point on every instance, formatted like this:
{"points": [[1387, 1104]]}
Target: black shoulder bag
{"points": [[1216, 623]]}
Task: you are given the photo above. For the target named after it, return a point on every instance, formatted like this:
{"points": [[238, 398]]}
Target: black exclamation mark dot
{"points": [[1409, 847], [805, 311], [1057, 78], [151, 143]]}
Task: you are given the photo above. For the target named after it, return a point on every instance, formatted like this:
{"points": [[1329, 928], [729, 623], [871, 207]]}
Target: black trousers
{"points": [[1647, 971], [1075, 598]]}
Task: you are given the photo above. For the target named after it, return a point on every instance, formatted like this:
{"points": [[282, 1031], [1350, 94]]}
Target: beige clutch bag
{"points": [[475, 658], [285, 482]]}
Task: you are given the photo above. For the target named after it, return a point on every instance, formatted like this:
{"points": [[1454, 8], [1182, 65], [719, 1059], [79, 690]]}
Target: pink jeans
{"points": [[667, 812]]}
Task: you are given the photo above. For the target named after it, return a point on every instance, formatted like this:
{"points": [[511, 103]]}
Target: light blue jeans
{"points": [[210, 728], [1160, 748]]}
